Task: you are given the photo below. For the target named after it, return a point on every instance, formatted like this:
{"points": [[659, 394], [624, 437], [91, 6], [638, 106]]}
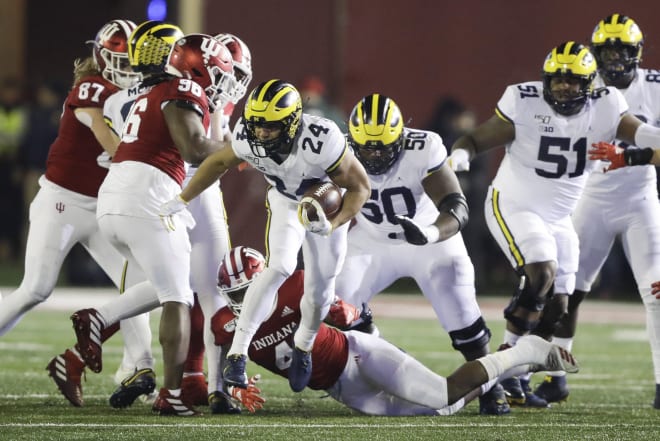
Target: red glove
{"points": [[608, 152], [655, 289], [342, 314], [249, 397]]}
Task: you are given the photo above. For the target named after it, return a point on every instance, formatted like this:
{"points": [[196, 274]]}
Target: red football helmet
{"points": [[111, 53], [242, 63], [208, 62], [238, 268]]}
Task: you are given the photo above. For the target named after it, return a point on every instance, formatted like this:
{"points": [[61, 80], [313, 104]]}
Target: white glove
{"points": [[459, 160], [104, 160], [176, 209], [415, 233], [321, 226]]}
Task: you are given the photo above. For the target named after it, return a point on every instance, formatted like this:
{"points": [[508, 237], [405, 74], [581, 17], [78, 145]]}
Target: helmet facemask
{"points": [[118, 70], [273, 105], [377, 157], [376, 133], [221, 90], [573, 64], [569, 105], [617, 61]]}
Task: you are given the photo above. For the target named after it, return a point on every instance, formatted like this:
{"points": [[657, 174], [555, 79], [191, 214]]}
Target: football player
{"points": [[547, 128], [293, 150], [166, 126], [63, 212], [621, 203], [410, 227], [361, 370]]}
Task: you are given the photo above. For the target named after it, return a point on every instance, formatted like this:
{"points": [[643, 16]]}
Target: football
{"points": [[329, 197]]}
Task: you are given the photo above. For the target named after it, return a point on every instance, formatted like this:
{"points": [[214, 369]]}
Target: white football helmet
{"points": [[242, 63], [237, 270]]}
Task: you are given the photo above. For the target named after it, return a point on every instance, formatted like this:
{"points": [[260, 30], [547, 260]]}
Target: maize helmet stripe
{"points": [[151, 42], [617, 27]]}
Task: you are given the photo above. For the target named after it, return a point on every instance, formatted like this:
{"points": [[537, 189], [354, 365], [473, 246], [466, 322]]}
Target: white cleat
{"points": [[550, 357]]}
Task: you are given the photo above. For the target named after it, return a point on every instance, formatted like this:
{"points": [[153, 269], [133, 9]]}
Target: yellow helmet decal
{"points": [[151, 42], [570, 57], [376, 119], [617, 27]]}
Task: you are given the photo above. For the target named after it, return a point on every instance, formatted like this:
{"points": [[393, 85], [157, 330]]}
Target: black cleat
{"points": [[553, 389], [142, 382], [221, 403], [494, 402], [513, 391]]}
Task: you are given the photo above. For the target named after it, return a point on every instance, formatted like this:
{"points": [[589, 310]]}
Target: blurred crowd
{"points": [[29, 120]]}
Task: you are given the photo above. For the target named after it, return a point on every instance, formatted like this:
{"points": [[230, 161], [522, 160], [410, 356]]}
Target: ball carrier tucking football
{"points": [[323, 196]]}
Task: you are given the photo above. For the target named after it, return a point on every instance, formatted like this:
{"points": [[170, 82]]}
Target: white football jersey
{"points": [[546, 167], [117, 106], [643, 98], [399, 190], [317, 150]]}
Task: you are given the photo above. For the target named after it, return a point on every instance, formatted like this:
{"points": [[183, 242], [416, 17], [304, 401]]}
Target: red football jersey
{"points": [[273, 341], [71, 160], [146, 137]]}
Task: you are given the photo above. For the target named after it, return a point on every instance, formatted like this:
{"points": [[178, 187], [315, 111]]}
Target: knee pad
{"points": [[472, 338], [524, 298]]}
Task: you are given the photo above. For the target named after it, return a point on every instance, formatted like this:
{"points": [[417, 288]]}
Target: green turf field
{"points": [[610, 397]]}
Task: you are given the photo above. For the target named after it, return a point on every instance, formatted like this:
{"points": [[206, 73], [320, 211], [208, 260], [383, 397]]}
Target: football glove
{"points": [[104, 160], [321, 226], [176, 209], [655, 289], [605, 151], [342, 314], [249, 397], [414, 233], [459, 160]]}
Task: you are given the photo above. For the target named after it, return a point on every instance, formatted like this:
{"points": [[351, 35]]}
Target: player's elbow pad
{"points": [[456, 205]]}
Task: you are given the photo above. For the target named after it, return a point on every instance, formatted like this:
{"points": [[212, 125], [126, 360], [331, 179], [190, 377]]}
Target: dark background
{"points": [[416, 51]]}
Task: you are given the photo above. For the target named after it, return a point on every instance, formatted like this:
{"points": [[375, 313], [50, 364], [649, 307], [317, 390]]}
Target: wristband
{"points": [[638, 156]]}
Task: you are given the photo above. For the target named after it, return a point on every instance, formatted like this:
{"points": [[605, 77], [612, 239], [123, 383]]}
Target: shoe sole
{"points": [[559, 359], [84, 335]]}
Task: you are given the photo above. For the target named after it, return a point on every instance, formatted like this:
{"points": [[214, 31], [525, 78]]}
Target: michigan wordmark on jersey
{"points": [[317, 150], [545, 168]]}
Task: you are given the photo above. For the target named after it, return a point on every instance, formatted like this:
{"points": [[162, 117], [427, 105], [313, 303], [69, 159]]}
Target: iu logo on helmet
{"points": [[210, 48], [59, 207]]}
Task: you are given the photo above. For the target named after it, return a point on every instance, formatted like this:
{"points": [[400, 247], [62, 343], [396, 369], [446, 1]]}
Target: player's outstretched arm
{"points": [[495, 132]]}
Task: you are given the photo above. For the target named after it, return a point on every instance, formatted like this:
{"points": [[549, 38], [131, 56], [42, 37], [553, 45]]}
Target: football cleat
{"points": [[66, 370], [554, 389], [531, 399], [194, 388], [300, 370], [494, 402], [656, 402], [168, 405], [142, 382], [88, 326], [513, 391], [234, 371], [221, 403]]}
